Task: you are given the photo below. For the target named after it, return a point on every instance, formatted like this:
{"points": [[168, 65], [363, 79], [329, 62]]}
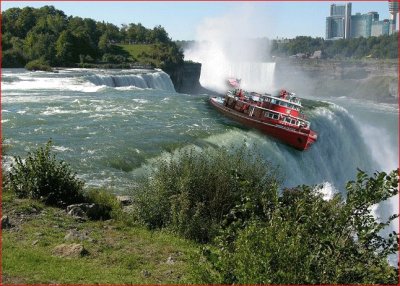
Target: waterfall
{"points": [[254, 76], [154, 80]]}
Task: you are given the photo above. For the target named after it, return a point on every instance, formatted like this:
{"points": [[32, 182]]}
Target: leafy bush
{"points": [[40, 176], [308, 240], [38, 65], [192, 192], [107, 205]]}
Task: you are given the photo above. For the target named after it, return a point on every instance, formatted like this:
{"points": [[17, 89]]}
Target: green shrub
{"points": [[309, 240], [107, 205], [192, 192], [40, 176], [38, 65]]}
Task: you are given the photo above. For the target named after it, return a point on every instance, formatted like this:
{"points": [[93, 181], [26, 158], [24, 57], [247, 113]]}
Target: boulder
{"points": [[74, 234], [84, 211], [5, 222], [146, 273], [125, 200], [70, 250], [170, 260]]}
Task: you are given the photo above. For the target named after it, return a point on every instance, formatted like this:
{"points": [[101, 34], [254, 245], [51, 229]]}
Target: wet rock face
{"points": [[372, 80], [186, 78]]}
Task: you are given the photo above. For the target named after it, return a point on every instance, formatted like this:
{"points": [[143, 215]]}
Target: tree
{"points": [[104, 42], [39, 46], [159, 35], [64, 48], [25, 20], [41, 176], [85, 37]]}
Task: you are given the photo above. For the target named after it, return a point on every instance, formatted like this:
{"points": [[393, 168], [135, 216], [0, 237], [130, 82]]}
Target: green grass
{"points": [[142, 53], [117, 253], [137, 49]]}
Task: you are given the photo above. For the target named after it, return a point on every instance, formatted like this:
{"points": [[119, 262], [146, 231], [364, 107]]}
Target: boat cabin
{"points": [[283, 109]]}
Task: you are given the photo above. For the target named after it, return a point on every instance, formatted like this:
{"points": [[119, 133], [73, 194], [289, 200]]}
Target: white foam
{"points": [[327, 190], [61, 148], [139, 100], [51, 83]]}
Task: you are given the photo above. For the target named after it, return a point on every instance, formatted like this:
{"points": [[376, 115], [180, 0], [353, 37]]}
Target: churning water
{"points": [[108, 124]]}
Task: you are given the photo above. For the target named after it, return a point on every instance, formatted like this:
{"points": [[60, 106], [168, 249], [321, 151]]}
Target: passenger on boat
{"points": [[283, 93]]}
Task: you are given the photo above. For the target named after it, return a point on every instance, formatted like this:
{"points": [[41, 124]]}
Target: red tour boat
{"points": [[277, 116]]}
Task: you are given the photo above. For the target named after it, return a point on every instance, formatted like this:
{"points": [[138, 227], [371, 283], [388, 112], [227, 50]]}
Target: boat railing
{"points": [[300, 118]]}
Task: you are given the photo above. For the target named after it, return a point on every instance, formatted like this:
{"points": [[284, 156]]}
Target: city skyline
{"points": [[343, 24], [183, 20]]}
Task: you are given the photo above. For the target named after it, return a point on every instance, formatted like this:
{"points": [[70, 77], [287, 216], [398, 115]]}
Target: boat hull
{"points": [[290, 136]]}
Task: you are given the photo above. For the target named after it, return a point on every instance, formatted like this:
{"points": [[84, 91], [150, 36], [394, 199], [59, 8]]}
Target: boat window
{"points": [[276, 116], [287, 119], [273, 101], [293, 121]]}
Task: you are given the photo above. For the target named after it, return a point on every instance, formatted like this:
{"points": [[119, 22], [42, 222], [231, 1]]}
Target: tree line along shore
{"points": [[41, 38]]}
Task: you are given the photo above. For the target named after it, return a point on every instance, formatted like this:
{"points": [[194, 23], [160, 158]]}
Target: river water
{"points": [[109, 124]]}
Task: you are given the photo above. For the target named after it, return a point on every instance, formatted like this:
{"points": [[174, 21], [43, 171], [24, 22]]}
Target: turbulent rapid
{"points": [[109, 124]]}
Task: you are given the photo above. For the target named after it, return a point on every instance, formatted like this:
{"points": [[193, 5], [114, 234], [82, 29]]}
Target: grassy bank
{"points": [[144, 54], [116, 251]]}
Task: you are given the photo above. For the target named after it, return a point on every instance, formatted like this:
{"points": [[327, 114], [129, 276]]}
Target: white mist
{"points": [[228, 47]]}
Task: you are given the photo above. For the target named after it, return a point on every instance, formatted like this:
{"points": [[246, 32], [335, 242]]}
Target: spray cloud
{"points": [[231, 45]]}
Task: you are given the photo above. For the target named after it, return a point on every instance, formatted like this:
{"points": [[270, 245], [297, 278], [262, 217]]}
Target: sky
{"points": [[184, 20]]}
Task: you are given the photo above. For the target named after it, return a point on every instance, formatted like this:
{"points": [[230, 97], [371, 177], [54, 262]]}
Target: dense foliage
{"points": [[41, 176], [38, 65], [305, 239], [230, 198], [193, 191], [258, 235], [47, 34], [381, 47]]}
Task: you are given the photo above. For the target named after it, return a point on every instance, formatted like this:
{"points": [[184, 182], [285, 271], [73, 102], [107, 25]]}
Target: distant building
{"points": [[374, 15], [340, 24], [361, 25], [334, 27], [316, 55], [393, 11], [339, 21], [379, 28]]}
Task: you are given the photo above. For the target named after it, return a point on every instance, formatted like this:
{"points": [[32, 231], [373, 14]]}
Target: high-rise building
{"points": [[334, 27], [347, 19], [338, 10], [374, 15], [338, 24], [361, 25], [393, 10], [379, 28]]}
